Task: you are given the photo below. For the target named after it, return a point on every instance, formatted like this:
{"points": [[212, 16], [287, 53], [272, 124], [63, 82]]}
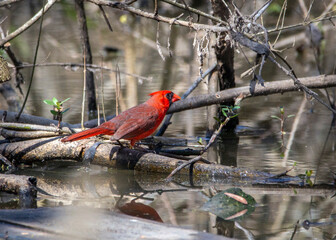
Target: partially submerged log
{"points": [[23, 186], [109, 155]]}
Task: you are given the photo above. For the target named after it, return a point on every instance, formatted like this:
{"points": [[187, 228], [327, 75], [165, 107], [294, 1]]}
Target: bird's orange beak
{"points": [[175, 98]]}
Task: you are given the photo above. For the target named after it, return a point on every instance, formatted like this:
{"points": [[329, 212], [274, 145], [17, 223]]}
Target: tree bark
{"points": [[24, 186], [113, 156], [225, 58], [86, 48]]}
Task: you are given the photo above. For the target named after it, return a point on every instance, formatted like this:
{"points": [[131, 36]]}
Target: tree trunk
{"points": [[225, 57], [85, 42]]}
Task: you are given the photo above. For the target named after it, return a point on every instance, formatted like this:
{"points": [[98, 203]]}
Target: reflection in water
{"points": [[180, 203]]}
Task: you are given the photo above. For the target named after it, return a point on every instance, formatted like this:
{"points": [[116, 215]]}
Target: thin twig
{"points": [[292, 27], [84, 89], [186, 94], [283, 14], [102, 93], [196, 11], [302, 86], [309, 10], [29, 23], [179, 168], [199, 158], [295, 229], [33, 70], [89, 67], [117, 89], [124, 7], [260, 11], [158, 45], [106, 18]]}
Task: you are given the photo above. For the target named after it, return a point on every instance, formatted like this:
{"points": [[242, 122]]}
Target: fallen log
{"points": [[11, 117], [109, 155]]}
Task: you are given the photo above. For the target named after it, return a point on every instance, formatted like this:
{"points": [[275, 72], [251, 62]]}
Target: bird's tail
{"points": [[86, 134]]}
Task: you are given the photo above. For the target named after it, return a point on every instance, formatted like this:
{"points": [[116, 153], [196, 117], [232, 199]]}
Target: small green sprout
{"points": [[229, 112], [57, 110], [282, 120]]}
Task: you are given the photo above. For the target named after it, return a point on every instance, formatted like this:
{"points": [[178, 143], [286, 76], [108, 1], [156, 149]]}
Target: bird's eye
{"points": [[169, 96]]}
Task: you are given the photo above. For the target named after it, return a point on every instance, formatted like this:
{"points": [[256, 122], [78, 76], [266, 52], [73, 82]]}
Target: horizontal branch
{"points": [[74, 66], [193, 10], [189, 24], [269, 88], [10, 117]]}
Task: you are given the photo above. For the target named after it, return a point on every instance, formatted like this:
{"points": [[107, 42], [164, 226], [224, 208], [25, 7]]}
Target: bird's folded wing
{"points": [[134, 127]]}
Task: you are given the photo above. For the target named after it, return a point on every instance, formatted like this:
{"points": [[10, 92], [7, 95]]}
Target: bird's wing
{"points": [[138, 123]]}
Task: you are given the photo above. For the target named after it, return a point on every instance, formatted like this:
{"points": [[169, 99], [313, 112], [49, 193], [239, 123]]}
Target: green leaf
{"points": [[309, 173], [217, 119], [234, 116], [64, 101], [65, 110], [309, 182], [235, 107], [53, 112], [49, 102], [292, 115], [224, 112], [232, 204], [275, 117], [55, 101]]}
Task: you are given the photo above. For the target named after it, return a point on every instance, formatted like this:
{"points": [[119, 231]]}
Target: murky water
{"points": [[309, 140]]}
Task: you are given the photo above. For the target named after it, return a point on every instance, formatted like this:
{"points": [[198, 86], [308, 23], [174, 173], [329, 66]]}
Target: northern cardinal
{"points": [[135, 123]]}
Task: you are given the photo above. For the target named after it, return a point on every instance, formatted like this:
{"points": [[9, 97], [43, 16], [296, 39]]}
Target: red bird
{"points": [[135, 123]]}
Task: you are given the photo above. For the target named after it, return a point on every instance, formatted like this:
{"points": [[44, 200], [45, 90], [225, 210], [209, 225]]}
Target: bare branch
{"points": [[5, 3], [269, 88], [28, 24], [123, 6], [260, 11], [196, 11], [74, 66]]}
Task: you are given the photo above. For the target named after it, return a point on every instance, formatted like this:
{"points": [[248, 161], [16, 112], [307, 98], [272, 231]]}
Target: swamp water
{"points": [[309, 142]]}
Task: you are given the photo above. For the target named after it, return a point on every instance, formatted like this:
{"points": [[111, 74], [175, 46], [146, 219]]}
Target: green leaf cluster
{"points": [[57, 105]]}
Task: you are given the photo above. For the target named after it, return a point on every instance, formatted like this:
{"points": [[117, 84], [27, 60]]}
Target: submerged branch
{"points": [[268, 88]]}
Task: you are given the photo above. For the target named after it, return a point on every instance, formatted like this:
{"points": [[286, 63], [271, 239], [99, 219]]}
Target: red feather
{"points": [[135, 123]]}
